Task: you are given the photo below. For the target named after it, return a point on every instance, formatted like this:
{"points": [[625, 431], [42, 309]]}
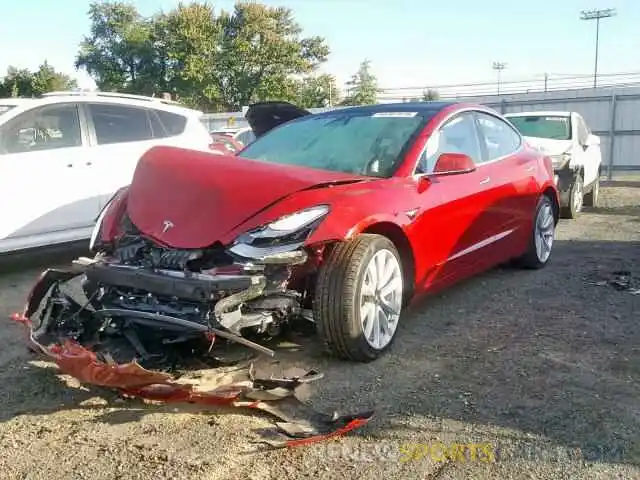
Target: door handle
{"points": [[89, 163], [486, 180], [69, 165], [530, 169]]}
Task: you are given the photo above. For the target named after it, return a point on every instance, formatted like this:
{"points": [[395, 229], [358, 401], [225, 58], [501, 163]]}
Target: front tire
{"points": [[576, 198], [358, 298], [542, 236]]}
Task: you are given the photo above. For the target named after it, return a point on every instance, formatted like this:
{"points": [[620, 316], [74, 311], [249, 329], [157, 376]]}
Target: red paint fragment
{"points": [[134, 380]]}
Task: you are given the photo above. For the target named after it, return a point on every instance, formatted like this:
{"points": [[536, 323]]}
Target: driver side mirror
{"points": [[453, 164]]}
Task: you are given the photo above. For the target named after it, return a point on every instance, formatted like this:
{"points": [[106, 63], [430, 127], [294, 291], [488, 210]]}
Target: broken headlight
{"points": [[559, 161], [97, 229], [280, 241]]}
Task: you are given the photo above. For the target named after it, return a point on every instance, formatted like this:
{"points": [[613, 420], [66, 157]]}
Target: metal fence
{"points": [[613, 113]]}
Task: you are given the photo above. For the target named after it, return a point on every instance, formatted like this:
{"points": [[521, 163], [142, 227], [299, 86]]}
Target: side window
{"points": [[173, 123], [119, 123], [499, 138], [45, 128], [458, 135]]}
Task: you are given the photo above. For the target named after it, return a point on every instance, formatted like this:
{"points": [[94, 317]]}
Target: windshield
{"points": [[5, 108], [551, 127], [370, 144]]}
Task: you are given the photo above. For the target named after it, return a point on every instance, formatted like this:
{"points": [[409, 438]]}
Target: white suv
{"points": [[574, 151], [63, 156]]}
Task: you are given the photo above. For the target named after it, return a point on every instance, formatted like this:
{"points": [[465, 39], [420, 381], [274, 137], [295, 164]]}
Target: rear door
{"points": [[512, 173], [120, 135], [44, 176]]}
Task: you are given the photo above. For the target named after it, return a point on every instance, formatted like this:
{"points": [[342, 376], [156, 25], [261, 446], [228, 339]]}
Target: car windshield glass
{"points": [[5, 108], [370, 144], [551, 127]]}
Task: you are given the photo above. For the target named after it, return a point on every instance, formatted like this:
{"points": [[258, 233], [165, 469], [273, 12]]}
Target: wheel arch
{"points": [[399, 239]]}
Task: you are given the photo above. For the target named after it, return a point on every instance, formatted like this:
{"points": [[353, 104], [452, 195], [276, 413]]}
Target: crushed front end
{"points": [[138, 315]]}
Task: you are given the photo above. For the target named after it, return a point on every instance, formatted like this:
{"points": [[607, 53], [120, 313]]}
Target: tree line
{"points": [[210, 60], [25, 83]]}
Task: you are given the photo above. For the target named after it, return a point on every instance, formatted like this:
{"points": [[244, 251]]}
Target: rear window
{"points": [[553, 127], [173, 123], [5, 108], [120, 123]]}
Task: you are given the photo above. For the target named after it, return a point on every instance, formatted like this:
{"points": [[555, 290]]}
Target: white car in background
{"points": [[574, 151], [243, 135], [63, 156]]}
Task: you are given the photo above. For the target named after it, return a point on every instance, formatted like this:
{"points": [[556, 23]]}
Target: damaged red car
{"points": [[339, 219]]}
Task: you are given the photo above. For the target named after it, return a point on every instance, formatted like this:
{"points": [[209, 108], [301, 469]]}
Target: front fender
{"points": [[345, 224]]}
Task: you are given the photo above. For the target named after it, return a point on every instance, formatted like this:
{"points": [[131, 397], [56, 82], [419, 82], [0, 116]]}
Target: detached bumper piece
{"points": [[245, 386]]}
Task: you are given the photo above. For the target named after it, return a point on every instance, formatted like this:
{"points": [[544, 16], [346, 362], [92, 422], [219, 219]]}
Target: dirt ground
{"points": [[542, 366]]}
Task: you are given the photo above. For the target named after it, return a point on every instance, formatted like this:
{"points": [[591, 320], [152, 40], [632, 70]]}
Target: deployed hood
{"points": [[265, 116], [550, 146], [189, 199]]}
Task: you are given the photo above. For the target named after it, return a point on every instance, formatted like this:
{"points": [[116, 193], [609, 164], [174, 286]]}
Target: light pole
{"points": [[597, 15], [499, 66]]}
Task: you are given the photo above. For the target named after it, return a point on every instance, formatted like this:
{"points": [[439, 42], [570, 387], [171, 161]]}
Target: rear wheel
{"points": [[542, 236], [591, 199], [358, 298]]}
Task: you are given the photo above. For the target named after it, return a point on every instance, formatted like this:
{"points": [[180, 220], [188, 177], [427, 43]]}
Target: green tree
{"points": [[212, 62], [430, 94], [261, 48], [317, 91], [46, 79], [18, 82], [120, 53], [363, 86], [186, 43], [24, 83]]}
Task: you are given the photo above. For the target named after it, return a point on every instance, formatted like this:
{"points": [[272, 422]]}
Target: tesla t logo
{"points": [[166, 225]]}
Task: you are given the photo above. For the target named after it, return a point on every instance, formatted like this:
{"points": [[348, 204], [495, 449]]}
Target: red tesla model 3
{"points": [[340, 218]]}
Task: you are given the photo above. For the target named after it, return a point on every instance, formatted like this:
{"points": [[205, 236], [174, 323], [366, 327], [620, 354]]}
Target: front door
{"points": [[456, 214], [589, 153], [43, 176]]}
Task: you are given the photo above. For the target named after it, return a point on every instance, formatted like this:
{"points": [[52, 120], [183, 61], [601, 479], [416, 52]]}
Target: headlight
{"points": [[277, 241], [291, 223], [98, 226], [561, 160]]}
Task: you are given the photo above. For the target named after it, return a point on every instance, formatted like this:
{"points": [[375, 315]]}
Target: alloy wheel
{"points": [[544, 232], [381, 299]]}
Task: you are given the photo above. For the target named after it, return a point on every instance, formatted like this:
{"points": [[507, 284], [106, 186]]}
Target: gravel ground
{"points": [[543, 367]]}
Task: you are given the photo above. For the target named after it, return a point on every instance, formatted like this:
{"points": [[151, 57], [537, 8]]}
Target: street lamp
{"points": [[597, 15], [499, 66]]}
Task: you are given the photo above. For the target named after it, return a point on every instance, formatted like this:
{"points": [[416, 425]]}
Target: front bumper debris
{"points": [[247, 386]]}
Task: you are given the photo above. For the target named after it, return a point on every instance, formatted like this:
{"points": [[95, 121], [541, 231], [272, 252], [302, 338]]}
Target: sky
{"points": [[410, 43]]}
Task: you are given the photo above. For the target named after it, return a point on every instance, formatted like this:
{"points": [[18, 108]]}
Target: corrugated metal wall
{"points": [[611, 113]]}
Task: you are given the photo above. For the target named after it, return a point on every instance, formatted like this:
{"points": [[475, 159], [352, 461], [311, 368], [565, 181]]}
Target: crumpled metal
{"points": [[296, 422]]}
